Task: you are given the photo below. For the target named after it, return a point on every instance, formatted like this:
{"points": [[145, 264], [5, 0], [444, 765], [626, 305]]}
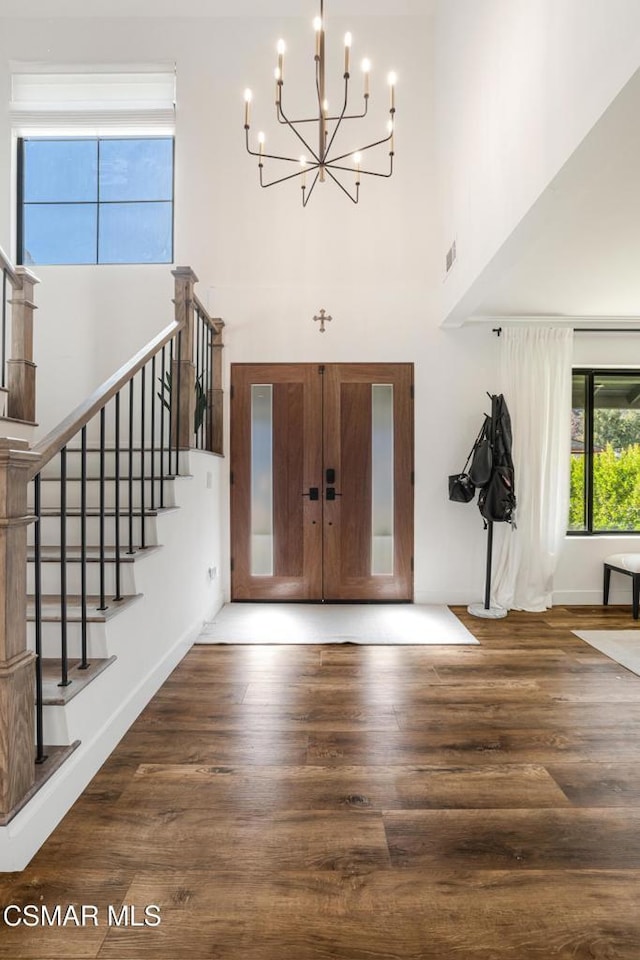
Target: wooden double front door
{"points": [[322, 481]]}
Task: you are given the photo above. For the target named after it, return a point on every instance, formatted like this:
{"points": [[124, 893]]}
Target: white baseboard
{"points": [[451, 598], [592, 598], [24, 835]]}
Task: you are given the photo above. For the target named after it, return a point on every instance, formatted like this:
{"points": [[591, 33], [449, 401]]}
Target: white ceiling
{"points": [[578, 250], [44, 9]]}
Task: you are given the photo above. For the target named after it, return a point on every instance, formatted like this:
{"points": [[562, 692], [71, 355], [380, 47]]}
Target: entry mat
{"points": [[292, 623], [623, 646]]}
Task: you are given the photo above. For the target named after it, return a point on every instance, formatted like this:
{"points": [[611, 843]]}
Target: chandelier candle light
{"points": [[318, 164]]}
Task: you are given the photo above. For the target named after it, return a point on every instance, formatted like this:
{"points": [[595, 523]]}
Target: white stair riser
{"points": [[96, 640], [50, 531], [51, 573], [50, 494]]}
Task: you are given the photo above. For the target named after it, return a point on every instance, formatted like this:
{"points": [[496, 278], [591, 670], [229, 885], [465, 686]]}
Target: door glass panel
{"points": [[382, 479], [261, 480]]}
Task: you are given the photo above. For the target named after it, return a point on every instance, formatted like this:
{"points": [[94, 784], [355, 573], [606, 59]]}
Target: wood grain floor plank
{"points": [[207, 717], [263, 790], [592, 839], [194, 838], [516, 715], [599, 784], [469, 746]]}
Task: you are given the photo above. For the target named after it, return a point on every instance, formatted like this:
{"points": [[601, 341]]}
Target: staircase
{"points": [[120, 563]]}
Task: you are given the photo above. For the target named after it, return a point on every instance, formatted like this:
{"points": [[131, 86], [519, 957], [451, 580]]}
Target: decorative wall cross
{"points": [[323, 318]]}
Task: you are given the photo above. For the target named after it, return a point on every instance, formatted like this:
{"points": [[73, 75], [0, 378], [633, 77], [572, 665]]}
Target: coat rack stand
{"points": [[485, 610]]}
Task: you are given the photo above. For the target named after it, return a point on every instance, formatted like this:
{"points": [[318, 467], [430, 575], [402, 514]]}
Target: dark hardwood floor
{"points": [[364, 803]]}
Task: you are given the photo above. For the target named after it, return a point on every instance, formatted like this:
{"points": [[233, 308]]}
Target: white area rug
{"points": [[623, 646], [335, 623]]}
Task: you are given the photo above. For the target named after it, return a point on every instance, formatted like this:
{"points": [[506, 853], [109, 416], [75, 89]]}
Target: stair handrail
{"points": [[18, 375], [5, 264], [215, 323], [56, 439]]}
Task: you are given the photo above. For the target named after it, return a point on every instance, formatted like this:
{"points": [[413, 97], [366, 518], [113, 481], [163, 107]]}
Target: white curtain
{"points": [[536, 383]]}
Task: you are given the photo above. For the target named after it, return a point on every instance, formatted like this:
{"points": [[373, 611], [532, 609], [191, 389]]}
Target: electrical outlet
{"points": [[213, 573]]}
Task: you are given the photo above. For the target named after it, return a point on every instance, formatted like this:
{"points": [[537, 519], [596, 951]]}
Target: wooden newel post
{"points": [[17, 664], [216, 393], [185, 377], [21, 370]]}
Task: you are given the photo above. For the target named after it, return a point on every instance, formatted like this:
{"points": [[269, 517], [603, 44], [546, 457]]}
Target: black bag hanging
{"points": [[482, 460], [462, 489]]}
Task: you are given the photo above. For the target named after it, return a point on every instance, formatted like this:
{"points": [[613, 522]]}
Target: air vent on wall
{"points": [[451, 256]]}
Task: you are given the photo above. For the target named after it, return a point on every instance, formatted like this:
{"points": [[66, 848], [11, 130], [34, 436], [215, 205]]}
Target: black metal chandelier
{"points": [[319, 164]]}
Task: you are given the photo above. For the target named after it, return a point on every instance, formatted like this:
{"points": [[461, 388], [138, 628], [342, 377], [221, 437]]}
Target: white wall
{"points": [[519, 85]]}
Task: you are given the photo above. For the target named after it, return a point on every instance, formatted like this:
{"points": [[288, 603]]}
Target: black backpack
{"points": [[497, 500]]}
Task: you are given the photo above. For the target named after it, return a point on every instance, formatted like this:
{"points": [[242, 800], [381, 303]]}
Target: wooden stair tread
{"points": [[55, 757], [24, 423], [51, 554], [51, 608], [56, 696]]}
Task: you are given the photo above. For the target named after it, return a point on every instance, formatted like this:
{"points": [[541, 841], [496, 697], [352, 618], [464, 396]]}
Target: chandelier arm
{"points": [[269, 156], [343, 188], [300, 137], [305, 200], [362, 149], [290, 176], [347, 116], [366, 173]]}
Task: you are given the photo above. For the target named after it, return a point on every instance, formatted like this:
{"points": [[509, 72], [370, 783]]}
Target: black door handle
{"points": [[331, 493], [314, 493]]}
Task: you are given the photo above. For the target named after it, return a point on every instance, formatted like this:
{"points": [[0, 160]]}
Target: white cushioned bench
{"points": [[628, 563]]}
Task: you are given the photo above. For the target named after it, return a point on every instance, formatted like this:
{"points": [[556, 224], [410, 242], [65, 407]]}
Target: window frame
{"points": [[590, 374], [97, 138]]}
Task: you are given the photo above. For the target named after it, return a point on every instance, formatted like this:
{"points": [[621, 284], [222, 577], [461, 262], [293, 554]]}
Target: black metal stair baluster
{"points": [[64, 648], [118, 595], [178, 401], [4, 327], [83, 549], [172, 398], [40, 754], [143, 538], [209, 393], [130, 478], [204, 396], [103, 605], [162, 433], [197, 349], [153, 434]]}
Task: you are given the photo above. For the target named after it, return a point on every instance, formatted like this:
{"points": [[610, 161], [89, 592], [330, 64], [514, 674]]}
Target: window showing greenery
{"points": [[605, 452], [95, 200]]}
